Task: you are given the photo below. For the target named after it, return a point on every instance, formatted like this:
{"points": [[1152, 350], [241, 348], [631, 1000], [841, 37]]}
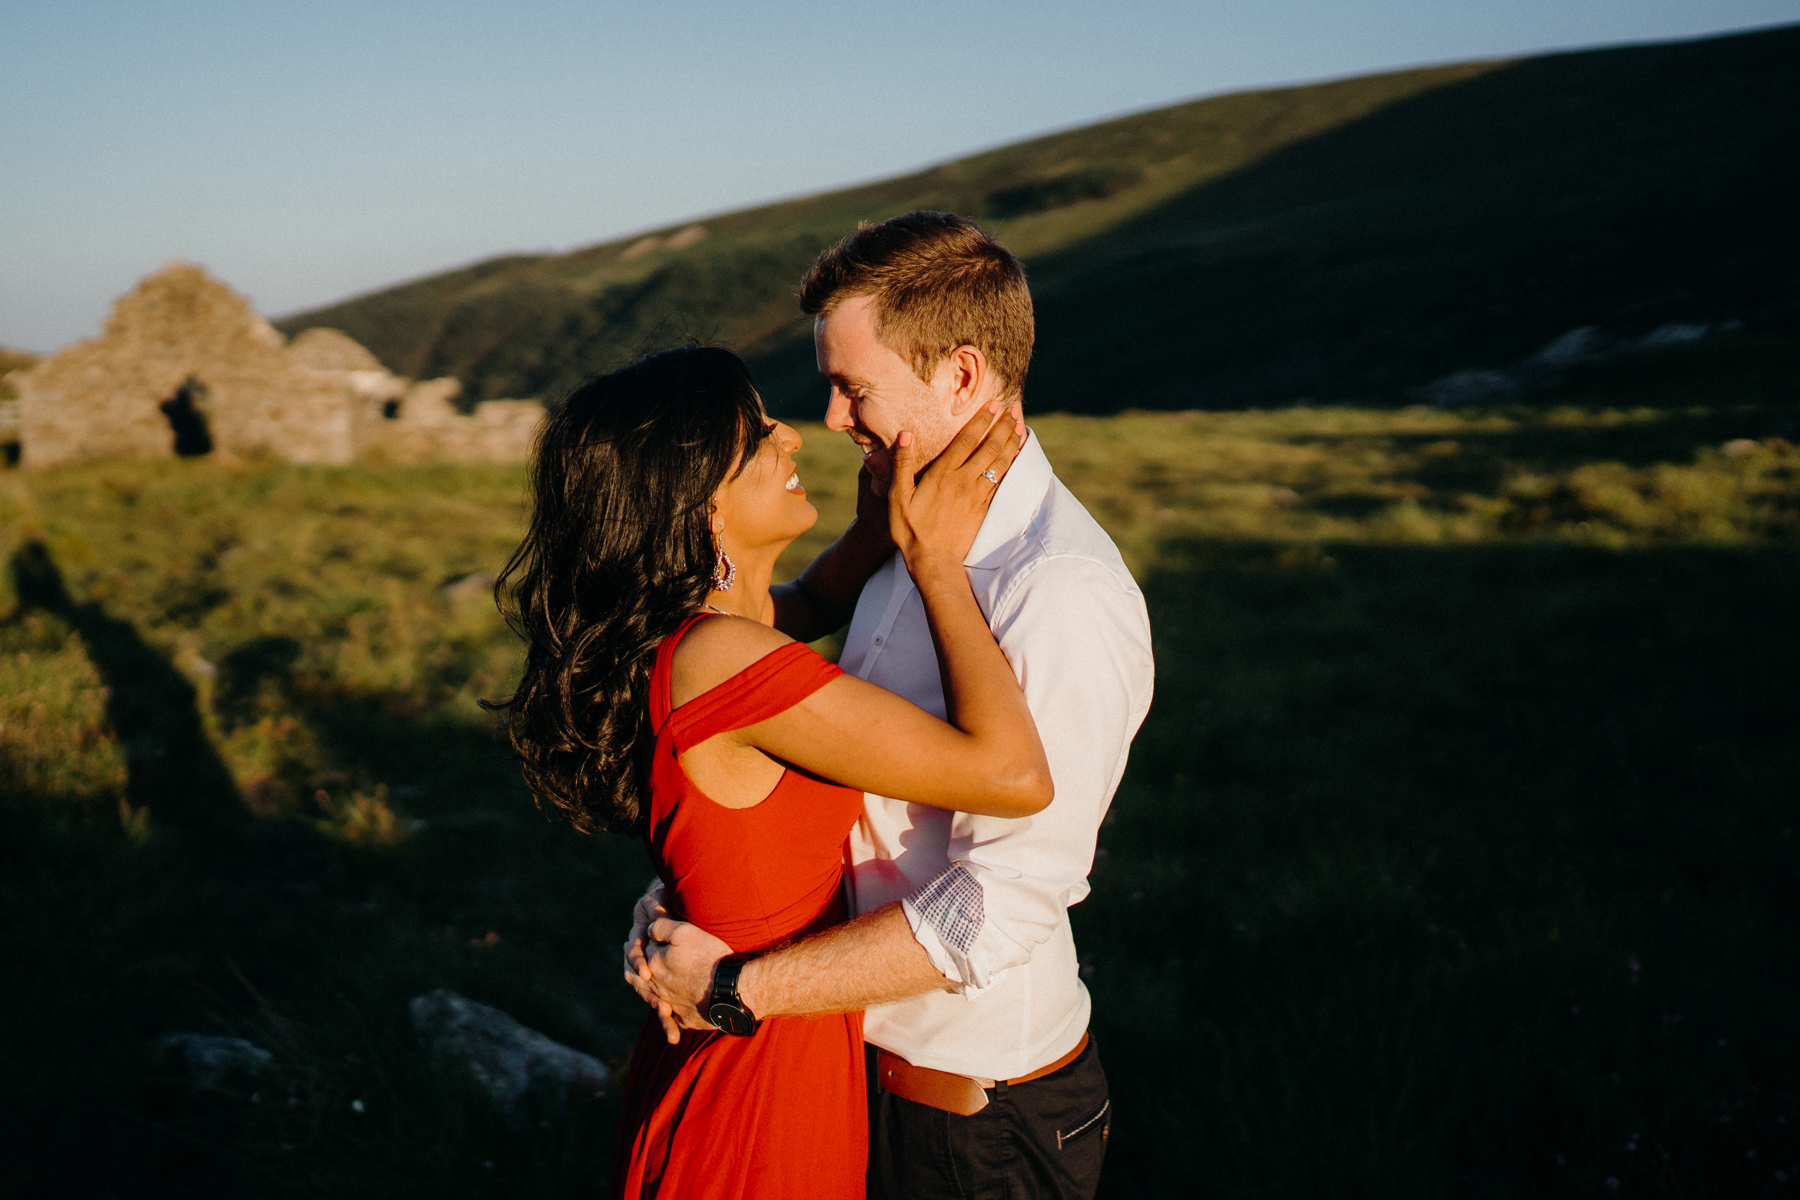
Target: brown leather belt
{"points": [[959, 1094]]}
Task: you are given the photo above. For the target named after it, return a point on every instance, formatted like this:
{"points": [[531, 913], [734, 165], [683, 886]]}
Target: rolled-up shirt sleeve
{"points": [[1086, 668]]}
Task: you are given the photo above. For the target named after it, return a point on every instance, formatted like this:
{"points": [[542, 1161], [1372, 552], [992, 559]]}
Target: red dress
{"points": [[782, 1113]]}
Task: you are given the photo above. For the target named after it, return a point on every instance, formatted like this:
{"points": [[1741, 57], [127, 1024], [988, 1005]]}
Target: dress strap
{"points": [[661, 701], [767, 687]]}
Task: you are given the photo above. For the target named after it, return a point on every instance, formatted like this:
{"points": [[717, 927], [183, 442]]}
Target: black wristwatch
{"points": [[723, 1007]]}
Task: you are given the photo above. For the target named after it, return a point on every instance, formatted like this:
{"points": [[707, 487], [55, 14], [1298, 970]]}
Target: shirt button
{"points": [[878, 641]]}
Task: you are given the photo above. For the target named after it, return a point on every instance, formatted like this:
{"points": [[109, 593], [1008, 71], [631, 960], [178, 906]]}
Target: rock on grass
{"points": [[523, 1072]]}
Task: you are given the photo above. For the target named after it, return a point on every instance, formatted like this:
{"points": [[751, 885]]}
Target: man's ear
{"points": [[968, 377]]}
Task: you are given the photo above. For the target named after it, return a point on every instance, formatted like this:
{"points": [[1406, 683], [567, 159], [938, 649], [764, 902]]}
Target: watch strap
{"points": [[725, 1008], [725, 977]]}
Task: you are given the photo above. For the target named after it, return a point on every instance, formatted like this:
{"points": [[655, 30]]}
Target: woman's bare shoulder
{"points": [[717, 648]]}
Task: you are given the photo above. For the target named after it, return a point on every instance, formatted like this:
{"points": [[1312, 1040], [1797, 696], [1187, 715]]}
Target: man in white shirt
{"points": [[961, 951]]}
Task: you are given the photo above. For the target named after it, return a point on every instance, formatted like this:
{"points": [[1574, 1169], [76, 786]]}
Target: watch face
{"points": [[731, 1019]]}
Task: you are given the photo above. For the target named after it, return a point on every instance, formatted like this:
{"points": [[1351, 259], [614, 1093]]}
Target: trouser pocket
{"points": [[1097, 1126]]}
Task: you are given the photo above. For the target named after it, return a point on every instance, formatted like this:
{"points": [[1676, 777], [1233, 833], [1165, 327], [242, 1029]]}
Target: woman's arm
{"points": [[986, 758]]}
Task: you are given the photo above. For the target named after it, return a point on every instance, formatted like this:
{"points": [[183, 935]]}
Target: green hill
{"points": [[1341, 239]]}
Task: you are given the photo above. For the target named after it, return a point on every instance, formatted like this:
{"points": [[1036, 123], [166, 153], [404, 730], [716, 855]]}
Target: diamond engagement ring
{"points": [[990, 476]]}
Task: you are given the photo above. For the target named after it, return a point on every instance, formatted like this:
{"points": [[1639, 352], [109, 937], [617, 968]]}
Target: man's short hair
{"points": [[938, 282]]}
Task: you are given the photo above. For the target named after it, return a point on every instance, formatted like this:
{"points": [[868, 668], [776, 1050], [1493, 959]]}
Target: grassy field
{"points": [[1456, 857], [1341, 240]]}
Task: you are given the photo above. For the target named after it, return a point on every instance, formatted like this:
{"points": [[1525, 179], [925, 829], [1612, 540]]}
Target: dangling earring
{"points": [[724, 570]]}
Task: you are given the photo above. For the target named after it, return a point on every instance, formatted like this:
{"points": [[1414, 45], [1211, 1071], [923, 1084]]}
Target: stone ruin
{"points": [[186, 368]]}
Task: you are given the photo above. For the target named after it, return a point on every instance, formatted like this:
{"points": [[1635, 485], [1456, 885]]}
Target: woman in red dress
{"points": [[661, 697]]}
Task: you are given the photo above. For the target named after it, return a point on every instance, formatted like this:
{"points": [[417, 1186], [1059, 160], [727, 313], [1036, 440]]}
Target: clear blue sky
{"points": [[308, 151]]}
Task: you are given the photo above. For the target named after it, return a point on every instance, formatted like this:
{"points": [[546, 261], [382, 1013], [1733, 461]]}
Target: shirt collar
{"points": [[1016, 502]]}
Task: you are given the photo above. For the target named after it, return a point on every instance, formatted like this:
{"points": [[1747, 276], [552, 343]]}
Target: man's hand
{"points": [[676, 973]]}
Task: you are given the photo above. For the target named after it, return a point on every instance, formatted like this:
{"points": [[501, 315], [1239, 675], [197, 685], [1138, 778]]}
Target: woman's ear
{"points": [[713, 520]]}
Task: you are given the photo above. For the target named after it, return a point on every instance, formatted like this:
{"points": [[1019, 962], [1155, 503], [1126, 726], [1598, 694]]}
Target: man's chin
{"points": [[881, 471]]}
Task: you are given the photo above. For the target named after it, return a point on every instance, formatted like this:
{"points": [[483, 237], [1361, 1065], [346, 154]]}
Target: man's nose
{"points": [[837, 413]]}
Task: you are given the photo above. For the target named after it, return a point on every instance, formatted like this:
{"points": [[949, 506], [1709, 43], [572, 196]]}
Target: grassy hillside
{"points": [[1338, 240], [1455, 857]]}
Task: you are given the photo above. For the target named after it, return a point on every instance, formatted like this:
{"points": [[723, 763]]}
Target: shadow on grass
{"points": [[173, 768], [1479, 460], [268, 930], [1436, 870], [1456, 871]]}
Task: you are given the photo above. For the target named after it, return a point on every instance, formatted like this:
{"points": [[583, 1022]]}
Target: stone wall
{"points": [[424, 427], [185, 366], [104, 397]]}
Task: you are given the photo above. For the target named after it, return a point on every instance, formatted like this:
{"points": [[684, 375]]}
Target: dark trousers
{"points": [[1042, 1140]]}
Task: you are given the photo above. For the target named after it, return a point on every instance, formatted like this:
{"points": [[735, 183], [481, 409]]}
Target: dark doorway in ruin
{"points": [[186, 411], [390, 409]]}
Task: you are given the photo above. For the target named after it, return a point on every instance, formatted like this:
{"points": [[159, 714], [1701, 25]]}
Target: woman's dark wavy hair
{"points": [[618, 553]]}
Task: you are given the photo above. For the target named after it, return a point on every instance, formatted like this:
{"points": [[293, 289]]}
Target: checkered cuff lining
{"points": [[955, 907]]}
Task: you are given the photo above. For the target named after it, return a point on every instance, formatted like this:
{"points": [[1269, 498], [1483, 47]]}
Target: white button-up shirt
{"points": [[988, 898]]}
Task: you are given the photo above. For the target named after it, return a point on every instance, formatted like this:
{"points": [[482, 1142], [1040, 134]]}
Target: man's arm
{"points": [[821, 601], [1078, 635], [1086, 662], [873, 959]]}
